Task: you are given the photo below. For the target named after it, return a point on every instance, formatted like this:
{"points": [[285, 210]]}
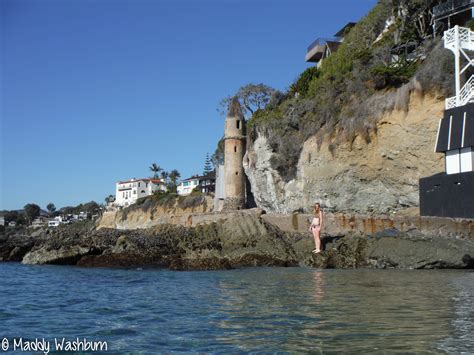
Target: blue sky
{"points": [[94, 91]]}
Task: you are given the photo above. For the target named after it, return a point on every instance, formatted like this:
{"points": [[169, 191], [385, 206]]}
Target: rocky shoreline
{"points": [[242, 240]]}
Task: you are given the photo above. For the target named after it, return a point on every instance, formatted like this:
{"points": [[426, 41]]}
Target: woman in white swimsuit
{"points": [[316, 226]]}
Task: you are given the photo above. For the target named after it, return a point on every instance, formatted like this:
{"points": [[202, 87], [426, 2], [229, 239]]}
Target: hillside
{"points": [[358, 132]]}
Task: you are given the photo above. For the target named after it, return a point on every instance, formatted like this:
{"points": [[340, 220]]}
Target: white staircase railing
{"points": [[460, 41], [466, 95], [464, 36]]}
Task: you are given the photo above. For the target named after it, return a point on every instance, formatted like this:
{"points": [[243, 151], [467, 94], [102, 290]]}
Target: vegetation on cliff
{"points": [[355, 86]]}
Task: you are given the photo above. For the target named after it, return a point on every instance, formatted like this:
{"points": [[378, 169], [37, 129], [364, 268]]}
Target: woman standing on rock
{"points": [[316, 226]]}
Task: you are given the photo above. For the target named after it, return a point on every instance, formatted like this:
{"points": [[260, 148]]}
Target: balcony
{"points": [[451, 7], [316, 49]]}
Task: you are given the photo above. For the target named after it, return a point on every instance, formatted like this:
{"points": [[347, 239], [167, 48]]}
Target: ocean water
{"points": [[246, 310]]}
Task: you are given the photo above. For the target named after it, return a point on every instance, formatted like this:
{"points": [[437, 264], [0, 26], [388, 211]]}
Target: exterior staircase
{"points": [[460, 41]]}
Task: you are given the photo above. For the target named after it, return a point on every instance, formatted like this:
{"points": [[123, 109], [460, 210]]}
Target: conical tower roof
{"points": [[235, 110]]}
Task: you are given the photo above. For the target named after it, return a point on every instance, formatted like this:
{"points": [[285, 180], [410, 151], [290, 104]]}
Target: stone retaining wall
{"points": [[335, 224]]}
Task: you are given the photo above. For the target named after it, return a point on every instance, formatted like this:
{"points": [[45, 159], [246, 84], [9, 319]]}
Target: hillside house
{"points": [[54, 223], [205, 183], [129, 191], [39, 222], [322, 48]]}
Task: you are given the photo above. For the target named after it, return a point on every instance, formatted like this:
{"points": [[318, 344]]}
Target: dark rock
{"points": [[62, 256], [202, 264], [122, 260], [242, 241], [421, 253], [254, 259], [14, 247], [389, 232]]}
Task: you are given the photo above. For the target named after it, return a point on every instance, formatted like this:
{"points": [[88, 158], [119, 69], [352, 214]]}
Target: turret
{"points": [[235, 138]]}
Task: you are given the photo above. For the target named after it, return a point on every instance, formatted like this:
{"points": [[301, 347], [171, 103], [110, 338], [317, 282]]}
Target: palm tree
{"points": [[174, 175], [164, 175], [156, 169]]}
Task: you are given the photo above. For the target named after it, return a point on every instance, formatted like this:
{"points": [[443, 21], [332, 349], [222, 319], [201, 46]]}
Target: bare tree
{"points": [[252, 97]]}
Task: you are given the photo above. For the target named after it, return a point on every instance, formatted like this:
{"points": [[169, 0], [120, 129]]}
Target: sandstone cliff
{"points": [[377, 177], [144, 217]]}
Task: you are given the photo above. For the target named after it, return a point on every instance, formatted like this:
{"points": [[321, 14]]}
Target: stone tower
{"points": [[235, 139]]}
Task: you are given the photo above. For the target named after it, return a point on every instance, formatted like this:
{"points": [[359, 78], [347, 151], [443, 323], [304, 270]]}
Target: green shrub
{"points": [[191, 201], [395, 74], [301, 85]]}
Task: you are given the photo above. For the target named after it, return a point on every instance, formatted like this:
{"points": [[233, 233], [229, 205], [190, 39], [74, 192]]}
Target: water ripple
{"points": [[248, 310]]}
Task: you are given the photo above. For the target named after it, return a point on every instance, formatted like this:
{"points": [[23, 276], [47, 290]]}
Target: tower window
{"points": [[238, 124], [236, 173], [235, 148]]}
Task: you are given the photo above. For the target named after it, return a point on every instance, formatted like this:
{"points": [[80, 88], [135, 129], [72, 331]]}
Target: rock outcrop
{"points": [[391, 249], [240, 240], [377, 177]]}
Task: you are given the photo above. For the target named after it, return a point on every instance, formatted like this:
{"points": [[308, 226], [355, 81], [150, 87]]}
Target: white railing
{"points": [[449, 37], [450, 102], [466, 95], [463, 35], [460, 41], [467, 91]]}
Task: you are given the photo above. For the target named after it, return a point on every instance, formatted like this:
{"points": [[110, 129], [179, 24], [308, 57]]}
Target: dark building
{"points": [[207, 182], [451, 194], [322, 48], [450, 13]]}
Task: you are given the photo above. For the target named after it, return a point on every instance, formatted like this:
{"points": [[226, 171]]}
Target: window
{"points": [[134, 192], [235, 148], [138, 184], [143, 191], [186, 183], [238, 124], [236, 173]]}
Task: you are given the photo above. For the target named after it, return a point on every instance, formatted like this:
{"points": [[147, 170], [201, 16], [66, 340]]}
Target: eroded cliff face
{"points": [[156, 215], [379, 177]]}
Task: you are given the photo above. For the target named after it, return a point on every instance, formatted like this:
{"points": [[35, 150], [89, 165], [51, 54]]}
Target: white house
{"points": [[54, 223], [206, 183], [187, 186], [38, 222], [2, 220], [127, 192]]}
